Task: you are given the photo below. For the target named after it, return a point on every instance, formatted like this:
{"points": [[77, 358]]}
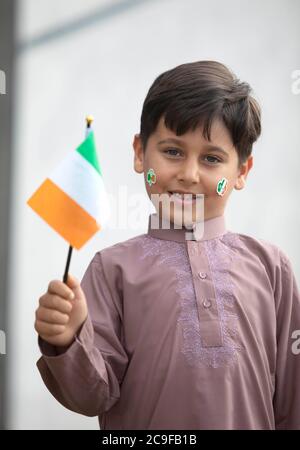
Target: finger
{"points": [[52, 301], [59, 288], [48, 329], [72, 281], [74, 284], [51, 316]]}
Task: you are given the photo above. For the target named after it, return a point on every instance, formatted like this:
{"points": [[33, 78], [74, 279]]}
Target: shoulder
{"points": [[112, 263], [121, 252], [268, 253]]}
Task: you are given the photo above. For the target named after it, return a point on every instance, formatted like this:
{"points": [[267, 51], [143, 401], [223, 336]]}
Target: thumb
{"points": [[74, 284]]}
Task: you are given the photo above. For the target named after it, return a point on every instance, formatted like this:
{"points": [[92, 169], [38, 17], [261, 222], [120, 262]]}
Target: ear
{"points": [[138, 154], [243, 173]]}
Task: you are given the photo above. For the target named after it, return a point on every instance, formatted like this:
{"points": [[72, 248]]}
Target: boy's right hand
{"points": [[58, 317]]}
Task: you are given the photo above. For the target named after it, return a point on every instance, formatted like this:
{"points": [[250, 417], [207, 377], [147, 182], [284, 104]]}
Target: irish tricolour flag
{"points": [[73, 200]]}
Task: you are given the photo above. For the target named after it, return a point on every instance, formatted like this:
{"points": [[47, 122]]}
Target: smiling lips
{"points": [[187, 198], [182, 193]]}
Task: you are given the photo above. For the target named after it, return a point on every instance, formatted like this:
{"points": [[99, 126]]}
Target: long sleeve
{"points": [[287, 380], [86, 377]]}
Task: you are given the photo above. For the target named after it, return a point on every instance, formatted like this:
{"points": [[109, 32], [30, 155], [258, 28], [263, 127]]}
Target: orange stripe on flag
{"points": [[63, 214]]}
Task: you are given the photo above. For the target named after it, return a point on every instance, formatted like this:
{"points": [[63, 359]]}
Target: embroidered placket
{"points": [[208, 314], [218, 257]]}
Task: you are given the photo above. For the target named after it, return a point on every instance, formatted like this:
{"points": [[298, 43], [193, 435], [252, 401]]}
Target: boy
{"points": [[166, 332]]}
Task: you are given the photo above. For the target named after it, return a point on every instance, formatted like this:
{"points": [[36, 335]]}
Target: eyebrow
{"points": [[180, 142]]}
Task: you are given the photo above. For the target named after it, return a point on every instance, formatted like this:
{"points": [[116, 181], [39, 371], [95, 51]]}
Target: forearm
{"points": [[78, 376]]}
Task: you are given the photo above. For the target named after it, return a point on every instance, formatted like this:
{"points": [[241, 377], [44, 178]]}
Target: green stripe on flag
{"points": [[88, 150]]}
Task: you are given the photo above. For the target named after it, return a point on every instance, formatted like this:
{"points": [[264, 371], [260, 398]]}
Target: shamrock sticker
{"points": [[151, 177]]}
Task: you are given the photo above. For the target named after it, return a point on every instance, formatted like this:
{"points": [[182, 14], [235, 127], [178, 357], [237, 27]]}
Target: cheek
{"points": [[211, 182], [160, 180]]}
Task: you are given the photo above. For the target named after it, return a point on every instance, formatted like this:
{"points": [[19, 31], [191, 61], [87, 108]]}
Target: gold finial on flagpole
{"points": [[89, 120]]}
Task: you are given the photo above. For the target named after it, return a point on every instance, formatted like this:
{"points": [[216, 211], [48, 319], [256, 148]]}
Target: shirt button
{"points": [[206, 303], [202, 275]]}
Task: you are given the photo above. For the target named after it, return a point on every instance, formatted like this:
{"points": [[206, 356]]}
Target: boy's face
{"points": [[191, 164]]}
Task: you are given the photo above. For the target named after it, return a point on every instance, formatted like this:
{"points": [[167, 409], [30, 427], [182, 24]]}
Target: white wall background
{"points": [[105, 67]]}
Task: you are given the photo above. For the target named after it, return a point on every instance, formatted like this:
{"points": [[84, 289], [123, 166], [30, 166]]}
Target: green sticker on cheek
{"points": [[151, 177], [222, 186]]}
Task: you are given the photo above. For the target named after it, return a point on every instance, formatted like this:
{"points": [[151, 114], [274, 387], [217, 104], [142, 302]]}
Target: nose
{"points": [[188, 173]]}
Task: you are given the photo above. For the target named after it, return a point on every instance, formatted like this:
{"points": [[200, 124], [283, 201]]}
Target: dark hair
{"points": [[196, 93]]}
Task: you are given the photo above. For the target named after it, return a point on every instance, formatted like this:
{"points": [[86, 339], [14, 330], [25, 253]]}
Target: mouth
{"points": [[187, 198]]}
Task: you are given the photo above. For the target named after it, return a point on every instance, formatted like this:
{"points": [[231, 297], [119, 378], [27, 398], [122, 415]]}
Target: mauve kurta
{"points": [[184, 334]]}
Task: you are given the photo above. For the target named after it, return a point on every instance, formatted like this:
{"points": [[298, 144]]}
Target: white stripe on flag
{"points": [[81, 181]]}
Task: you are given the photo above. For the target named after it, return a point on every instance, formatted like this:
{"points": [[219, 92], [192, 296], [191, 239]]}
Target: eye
{"points": [[171, 150], [214, 158]]}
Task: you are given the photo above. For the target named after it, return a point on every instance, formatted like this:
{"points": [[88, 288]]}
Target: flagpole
{"points": [[89, 120], [68, 264]]}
